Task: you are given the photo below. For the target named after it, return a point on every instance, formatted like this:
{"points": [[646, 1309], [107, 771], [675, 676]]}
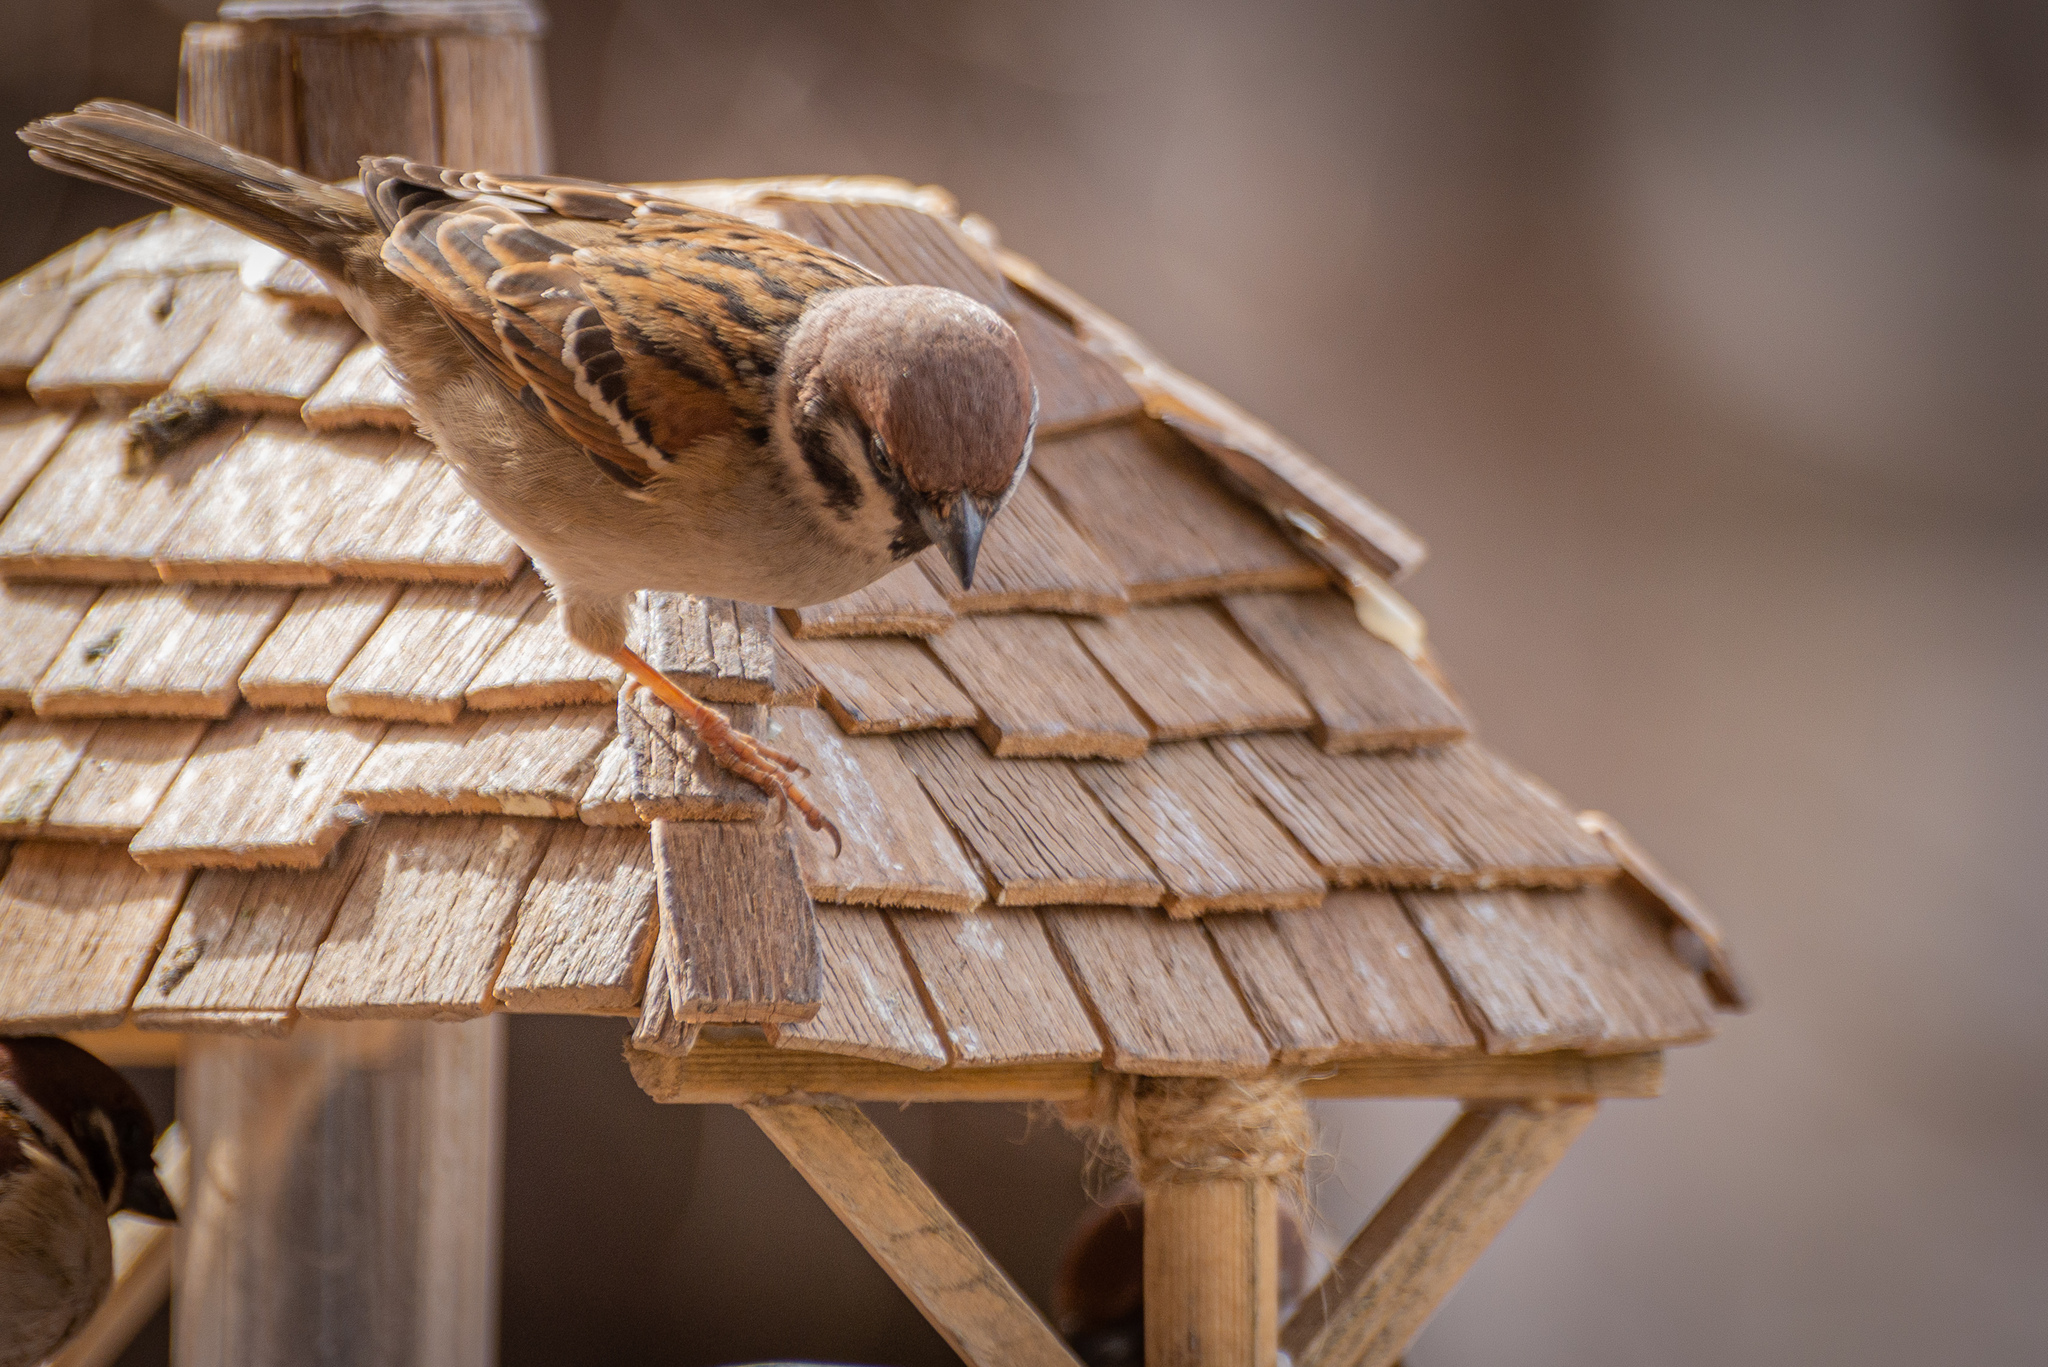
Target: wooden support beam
{"points": [[735, 1072], [910, 1232], [1390, 1280], [1212, 1273]]}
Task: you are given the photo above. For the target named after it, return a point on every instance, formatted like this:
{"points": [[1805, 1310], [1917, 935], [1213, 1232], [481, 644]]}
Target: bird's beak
{"points": [[959, 531], [145, 1195]]}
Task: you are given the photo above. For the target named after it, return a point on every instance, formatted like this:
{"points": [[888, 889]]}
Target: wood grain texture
{"points": [[373, 90], [795, 685], [29, 436], [741, 933], [291, 281], [877, 686], [244, 941], [1421, 1242], [130, 337], [35, 305], [490, 89], [868, 1005], [415, 522], [258, 512], [1352, 813], [1375, 978], [1213, 846], [1212, 1273], [79, 925], [160, 652], [902, 602], [1367, 695], [313, 642], [898, 851], [900, 245], [1513, 829], [127, 768], [427, 921], [36, 620], [1156, 513], [608, 801], [420, 660], [360, 393], [586, 928], [1076, 388], [37, 758], [1696, 936], [539, 666], [510, 763], [669, 775], [234, 84], [1037, 831], [85, 517], [715, 649], [1157, 993], [996, 988], [904, 1226], [659, 1031], [1033, 560], [1563, 970], [1037, 691], [1189, 674], [176, 242], [261, 791], [263, 355], [1274, 989]]}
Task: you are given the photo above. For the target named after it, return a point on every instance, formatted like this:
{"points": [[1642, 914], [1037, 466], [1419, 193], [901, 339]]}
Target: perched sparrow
{"points": [[646, 395], [75, 1145]]}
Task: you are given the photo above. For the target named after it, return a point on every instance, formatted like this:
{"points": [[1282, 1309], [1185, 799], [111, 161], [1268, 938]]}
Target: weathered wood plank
{"points": [[904, 1226], [670, 775], [1076, 388], [742, 932], [1422, 1241], [608, 801], [416, 522], [86, 516], [244, 941], [1214, 847], [489, 86], [1157, 993], [360, 393], [902, 602], [425, 924], [36, 620], [900, 245], [334, 71], [235, 84], [79, 925], [160, 652], [715, 649], [996, 989], [173, 242], [129, 337], [29, 436], [423, 655], [868, 1005], [1273, 988], [1190, 675], [510, 763], [1033, 560], [263, 355], [1376, 979], [1513, 829], [1033, 824], [37, 758], [877, 686], [313, 642], [127, 768], [261, 791], [1563, 970], [1646, 874], [586, 928], [898, 850], [1161, 519], [1212, 1273], [1037, 691], [1367, 695], [539, 666], [659, 1031], [35, 305], [1352, 813]]}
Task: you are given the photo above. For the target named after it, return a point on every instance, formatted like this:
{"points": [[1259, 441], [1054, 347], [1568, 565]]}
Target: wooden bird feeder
{"points": [[1171, 819]]}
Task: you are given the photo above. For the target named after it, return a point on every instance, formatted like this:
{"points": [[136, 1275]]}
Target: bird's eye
{"points": [[880, 452]]}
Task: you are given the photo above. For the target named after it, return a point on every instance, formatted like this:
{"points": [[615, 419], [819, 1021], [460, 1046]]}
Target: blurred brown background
{"points": [[1707, 346]]}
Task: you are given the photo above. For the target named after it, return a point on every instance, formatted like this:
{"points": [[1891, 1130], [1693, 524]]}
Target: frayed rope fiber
{"points": [[1190, 1129]]}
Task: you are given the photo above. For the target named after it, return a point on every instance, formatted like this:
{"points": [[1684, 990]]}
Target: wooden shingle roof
{"points": [[294, 731]]}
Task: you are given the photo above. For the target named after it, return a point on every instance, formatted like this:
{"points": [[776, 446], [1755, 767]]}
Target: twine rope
{"points": [[1190, 1129]]}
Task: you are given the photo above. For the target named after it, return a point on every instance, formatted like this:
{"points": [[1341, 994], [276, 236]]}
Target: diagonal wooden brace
{"points": [[906, 1228], [1390, 1280]]}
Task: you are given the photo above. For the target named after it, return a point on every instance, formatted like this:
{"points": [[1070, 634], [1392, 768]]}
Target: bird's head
{"points": [[917, 395], [105, 1120]]}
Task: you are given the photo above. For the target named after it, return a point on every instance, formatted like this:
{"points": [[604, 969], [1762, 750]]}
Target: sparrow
{"points": [[75, 1146], [644, 394]]}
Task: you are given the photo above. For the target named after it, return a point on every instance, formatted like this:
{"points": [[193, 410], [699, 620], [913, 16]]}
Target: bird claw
{"points": [[768, 769]]}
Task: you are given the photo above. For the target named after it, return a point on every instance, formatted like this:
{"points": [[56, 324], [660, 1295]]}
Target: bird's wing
{"points": [[639, 325]]}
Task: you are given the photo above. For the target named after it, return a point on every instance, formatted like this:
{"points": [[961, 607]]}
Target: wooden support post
{"points": [[1212, 1273], [1417, 1246], [906, 1228]]}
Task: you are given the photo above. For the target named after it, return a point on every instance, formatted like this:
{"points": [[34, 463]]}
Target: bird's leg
{"points": [[762, 765]]}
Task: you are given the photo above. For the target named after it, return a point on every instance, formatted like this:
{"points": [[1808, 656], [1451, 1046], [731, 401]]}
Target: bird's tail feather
{"points": [[139, 150]]}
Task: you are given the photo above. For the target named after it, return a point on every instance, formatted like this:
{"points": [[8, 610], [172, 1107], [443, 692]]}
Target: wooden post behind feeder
{"points": [[1171, 820]]}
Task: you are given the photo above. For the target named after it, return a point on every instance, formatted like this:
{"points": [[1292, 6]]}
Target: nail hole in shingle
{"points": [[96, 650], [296, 767]]}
